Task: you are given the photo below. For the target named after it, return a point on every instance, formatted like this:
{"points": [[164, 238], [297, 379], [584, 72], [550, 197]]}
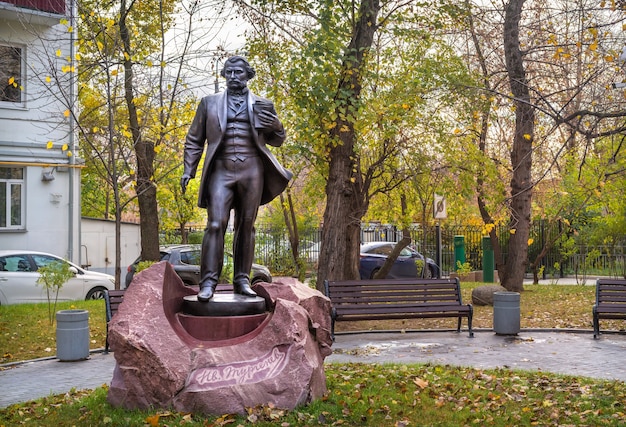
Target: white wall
{"points": [[52, 208], [98, 245]]}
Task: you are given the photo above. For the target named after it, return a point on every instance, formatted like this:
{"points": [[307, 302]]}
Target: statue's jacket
{"points": [[209, 125]]}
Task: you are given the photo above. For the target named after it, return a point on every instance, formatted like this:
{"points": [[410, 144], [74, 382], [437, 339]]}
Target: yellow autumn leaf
{"points": [[58, 53], [420, 383], [100, 45], [126, 56], [593, 47], [158, 149], [114, 72], [527, 137], [64, 147], [69, 154], [11, 81], [70, 29], [48, 79], [512, 231], [66, 113], [49, 145], [530, 241], [63, 21]]}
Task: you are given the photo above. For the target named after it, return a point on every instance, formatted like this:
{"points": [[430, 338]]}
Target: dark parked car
{"points": [[373, 256], [186, 262]]}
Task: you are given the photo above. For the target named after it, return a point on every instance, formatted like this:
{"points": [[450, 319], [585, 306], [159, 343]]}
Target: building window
{"points": [[11, 74], [11, 198]]}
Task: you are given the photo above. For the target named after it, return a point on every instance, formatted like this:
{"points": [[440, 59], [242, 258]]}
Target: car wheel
{"points": [[428, 273], [374, 271], [257, 279], [96, 293]]}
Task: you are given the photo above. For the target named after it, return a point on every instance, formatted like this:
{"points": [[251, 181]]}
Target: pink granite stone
{"points": [[160, 364]]}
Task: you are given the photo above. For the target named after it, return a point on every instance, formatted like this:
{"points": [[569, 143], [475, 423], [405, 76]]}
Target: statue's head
{"points": [[239, 59]]}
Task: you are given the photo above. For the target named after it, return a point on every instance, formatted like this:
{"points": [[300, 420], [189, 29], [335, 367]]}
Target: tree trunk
{"points": [[521, 153], [144, 151], [482, 146], [345, 194]]}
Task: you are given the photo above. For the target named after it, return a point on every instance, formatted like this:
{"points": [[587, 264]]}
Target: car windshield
{"points": [[387, 249], [43, 260], [190, 257]]}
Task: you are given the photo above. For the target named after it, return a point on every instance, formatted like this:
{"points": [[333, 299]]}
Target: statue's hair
{"points": [[251, 72]]}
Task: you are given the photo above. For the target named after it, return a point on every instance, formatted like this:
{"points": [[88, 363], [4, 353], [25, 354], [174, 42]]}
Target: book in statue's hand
{"points": [[259, 106]]}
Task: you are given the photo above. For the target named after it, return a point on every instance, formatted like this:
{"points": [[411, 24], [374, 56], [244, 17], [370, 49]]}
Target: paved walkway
{"points": [[574, 353]]}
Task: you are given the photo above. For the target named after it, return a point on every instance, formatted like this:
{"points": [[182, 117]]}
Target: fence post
{"points": [[488, 261]]}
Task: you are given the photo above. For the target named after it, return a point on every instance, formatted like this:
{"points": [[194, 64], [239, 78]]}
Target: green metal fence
{"points": [[274, 250]]}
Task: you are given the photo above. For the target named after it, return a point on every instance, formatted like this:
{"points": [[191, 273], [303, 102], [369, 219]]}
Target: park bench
{"points": [[610, 302], [112, 301], [396, 299]]}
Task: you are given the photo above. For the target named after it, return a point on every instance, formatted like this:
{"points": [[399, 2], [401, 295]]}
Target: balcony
{"points": [[56, 7]]}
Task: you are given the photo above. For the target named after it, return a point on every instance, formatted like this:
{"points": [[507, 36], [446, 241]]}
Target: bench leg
{"points": [[596, 324], [470, 316]]}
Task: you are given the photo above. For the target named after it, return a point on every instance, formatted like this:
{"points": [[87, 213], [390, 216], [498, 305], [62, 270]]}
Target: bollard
{"points": [[459, 251], [72, 335], [506, 313]]}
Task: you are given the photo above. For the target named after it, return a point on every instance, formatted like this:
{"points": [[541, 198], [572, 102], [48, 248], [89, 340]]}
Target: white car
{"points": [[18, 279]]}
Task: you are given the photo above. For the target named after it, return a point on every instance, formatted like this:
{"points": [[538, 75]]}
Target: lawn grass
{"points": [[541, 306], [358, 394], [25, 332], [377, 395]]}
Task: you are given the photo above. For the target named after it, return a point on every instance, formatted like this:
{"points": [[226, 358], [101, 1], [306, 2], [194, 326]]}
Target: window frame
{"points": [[22, 83], [9, 183]]}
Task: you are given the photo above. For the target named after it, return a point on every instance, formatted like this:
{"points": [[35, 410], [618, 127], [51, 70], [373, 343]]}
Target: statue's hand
{"points": [[270, 121], [184, 181]]}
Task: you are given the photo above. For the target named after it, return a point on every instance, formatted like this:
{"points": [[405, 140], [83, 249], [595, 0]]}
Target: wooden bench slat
{"points": [[397, 299]]}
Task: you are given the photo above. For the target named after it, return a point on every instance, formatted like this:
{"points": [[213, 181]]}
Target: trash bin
{"points": [[506, 313], [72, 335]]}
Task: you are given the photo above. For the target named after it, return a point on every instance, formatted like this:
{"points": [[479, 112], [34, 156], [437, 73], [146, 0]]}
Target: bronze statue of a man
{"points": [[239, 172]]}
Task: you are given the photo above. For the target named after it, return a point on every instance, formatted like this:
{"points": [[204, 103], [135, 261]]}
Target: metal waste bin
{"points": [[72, 335], [506, 313]]}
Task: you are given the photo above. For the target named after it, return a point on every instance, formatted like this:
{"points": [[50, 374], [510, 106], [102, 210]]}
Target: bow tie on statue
{"points": [[236, 99]]}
